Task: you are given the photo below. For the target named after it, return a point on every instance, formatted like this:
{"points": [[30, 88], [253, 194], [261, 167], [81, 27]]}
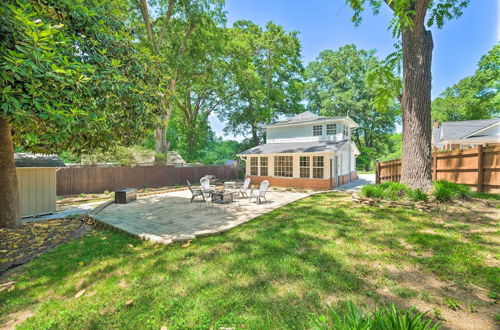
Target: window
{"points": [[254, 161], [305, 167], [283, 166], [317, 130], [346, 131], [318, 167], [263, 166], [331, 129]]}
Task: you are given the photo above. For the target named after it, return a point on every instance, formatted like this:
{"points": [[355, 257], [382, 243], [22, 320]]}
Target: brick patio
{"points": [[170, 217]]}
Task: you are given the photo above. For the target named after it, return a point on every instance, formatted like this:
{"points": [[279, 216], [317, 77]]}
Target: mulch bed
{"points": [[21, 244]]}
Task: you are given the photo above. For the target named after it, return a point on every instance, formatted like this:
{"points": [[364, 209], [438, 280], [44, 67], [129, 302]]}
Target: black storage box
{"points": [[126, 195]]}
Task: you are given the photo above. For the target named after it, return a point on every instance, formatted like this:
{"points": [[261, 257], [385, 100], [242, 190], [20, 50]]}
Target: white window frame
{"points": [[316, 128], [331, 129]]}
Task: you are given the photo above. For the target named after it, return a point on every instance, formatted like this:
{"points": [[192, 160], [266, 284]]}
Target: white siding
{"points": [[302, 133]]}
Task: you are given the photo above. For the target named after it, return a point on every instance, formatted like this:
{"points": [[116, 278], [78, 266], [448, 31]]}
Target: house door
{"points": [[334, 171]]}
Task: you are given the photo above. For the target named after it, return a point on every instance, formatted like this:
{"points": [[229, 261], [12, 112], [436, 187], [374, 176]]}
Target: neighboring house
{"points": [[306, 151], [36, 180], [465, 134]]}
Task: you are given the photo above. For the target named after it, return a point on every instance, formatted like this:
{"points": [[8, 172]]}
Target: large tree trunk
{"points": [[9, 193], [161, 142], [416, 103]]}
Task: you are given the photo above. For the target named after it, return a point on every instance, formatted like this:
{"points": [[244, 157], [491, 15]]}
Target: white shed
{"points": [[36, 176]]}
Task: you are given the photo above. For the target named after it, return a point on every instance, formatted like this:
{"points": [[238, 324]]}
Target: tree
{"points": [[168, 36], [266, 77], [339, 84], [205, 87], [69, 82], [410, 21], [474, 97]]}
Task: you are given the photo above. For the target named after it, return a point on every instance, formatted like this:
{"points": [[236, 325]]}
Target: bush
{"points": [[445, 191], [418, 195], [352, 317], [372, 191], [392, 191], [395, 190]]}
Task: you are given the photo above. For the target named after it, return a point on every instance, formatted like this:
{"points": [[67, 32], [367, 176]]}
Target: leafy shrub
{"points": [[445, 191], [389, 317], [392, 191], [418, 195], [372, 191], [395, 190]]}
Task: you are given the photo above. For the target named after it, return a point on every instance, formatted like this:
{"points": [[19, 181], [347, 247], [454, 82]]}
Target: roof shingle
{"points": [[294, 147], [37, 160]]}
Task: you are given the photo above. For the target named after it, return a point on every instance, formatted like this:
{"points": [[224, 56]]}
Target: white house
{"points": [[305, 151], [465, 134]]}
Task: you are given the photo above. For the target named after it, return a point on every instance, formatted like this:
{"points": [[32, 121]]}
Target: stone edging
{"points": [[421, 206]]}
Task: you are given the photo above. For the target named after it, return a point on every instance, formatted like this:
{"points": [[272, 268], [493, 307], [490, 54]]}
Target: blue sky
{"points": [[326, 24]]}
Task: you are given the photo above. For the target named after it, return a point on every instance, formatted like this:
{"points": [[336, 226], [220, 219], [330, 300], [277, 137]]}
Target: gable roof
{"points": [[309, 117], [455, 130], [294, 147], [37, 160]]}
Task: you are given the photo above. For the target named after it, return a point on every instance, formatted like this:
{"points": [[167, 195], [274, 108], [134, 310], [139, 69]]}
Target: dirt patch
{"points": [[15, 319], [21, 244], [457, 307]]}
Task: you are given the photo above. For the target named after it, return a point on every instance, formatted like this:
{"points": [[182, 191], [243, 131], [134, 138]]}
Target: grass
{"points": [[277, 271]]}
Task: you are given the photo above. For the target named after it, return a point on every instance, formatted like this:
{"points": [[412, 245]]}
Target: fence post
{"points": [[435, 166], [480, 168], [377, 172]]}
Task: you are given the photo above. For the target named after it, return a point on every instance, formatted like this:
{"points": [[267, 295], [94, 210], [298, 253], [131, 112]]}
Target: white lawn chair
{"points": [[206, 187], [243, 190], [260, 193]]}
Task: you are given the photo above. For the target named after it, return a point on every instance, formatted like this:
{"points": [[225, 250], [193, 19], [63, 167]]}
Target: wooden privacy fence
{"points": [[93, 179], [476, 167]]}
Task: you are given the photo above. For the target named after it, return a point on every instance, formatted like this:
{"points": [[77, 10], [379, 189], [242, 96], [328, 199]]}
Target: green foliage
{"points": [[266, 77], [353, 317], [418, 195], [218, 151], [126, 156], [342, 83], [70, 76], [445, 191], [393, 191], [474, 97]]}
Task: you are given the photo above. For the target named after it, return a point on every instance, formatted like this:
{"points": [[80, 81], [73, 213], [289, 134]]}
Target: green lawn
{"points": [[276, 271]]}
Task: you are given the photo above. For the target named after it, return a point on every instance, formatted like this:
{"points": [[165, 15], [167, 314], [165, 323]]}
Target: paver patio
{"points": [[170, 217]]}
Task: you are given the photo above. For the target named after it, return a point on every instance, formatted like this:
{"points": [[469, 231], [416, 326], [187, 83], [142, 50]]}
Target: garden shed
{"points": [[36, 176]]}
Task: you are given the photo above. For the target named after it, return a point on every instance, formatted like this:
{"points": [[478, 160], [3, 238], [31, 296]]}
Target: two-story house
{"points": [[305, 151]]}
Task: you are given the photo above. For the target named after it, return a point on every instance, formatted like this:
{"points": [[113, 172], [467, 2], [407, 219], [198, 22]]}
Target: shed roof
{"points": [[37, 160], [294, 147]]}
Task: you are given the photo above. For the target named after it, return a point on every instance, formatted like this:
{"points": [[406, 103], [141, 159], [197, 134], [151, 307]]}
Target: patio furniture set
{"points": [[228, 192]]}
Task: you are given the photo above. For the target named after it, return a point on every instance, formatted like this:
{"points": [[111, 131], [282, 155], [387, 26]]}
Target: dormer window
{"points": [[346, 130], [331, 129], [317, 130]]}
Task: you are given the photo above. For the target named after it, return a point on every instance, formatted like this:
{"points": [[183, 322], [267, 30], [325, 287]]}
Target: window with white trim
{"points": [[317, 130], [305, 166], [346, 130], [263, 166], [254, 166], [283, 166], [318, 167], [331, 129]]}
